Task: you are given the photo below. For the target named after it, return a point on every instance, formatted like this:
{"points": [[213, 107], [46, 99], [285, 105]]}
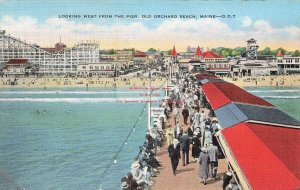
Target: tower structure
{"points": [[198, 54], [251, 49]]}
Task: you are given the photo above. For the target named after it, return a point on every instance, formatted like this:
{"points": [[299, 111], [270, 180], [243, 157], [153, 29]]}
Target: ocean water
{"points": [[286, 99], [68, 145]]}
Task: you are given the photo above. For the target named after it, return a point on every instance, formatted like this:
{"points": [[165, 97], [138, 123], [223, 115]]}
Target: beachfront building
{"points": [[48, 61], [17, 67], [214, 63], [251, 64], [123, 55], [109, 57], [140, 57], [100, 69], [288, 64]]}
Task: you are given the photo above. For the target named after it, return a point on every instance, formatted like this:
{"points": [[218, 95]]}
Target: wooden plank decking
{"points": [[187, 177]]}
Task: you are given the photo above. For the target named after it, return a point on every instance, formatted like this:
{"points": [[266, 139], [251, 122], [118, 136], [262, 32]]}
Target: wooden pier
{"points": [[187, 177]]}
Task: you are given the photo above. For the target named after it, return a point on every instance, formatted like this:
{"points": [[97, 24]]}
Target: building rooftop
{"points": [[17, 61]]}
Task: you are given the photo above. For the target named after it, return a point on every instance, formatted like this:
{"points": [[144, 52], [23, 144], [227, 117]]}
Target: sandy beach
{"points": [[57, 82], [266, 81], [134, 82]]}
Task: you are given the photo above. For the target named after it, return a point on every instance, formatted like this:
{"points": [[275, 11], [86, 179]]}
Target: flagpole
{"points": [[149, 102]]}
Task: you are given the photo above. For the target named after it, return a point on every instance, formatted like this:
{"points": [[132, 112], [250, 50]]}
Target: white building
{"points": [[97, 69], [124, 55], [288, 65], [48, 62], [17, 67], [111, 57]]}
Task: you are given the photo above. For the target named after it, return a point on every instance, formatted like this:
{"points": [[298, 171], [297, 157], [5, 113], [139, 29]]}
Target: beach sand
{"points": [[133, 82], [57, 82], [266, 81]]}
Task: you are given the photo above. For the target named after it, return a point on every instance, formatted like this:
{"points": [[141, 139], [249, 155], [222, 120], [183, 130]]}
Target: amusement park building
{"points": [[48, 61]]}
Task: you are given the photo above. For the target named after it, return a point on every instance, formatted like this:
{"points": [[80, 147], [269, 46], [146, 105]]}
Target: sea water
{"points": [[285, 99], [65, 138]]}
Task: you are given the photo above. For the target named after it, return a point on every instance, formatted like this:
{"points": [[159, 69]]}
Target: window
{"points": [[296, 60], [91, 67], [83, 67]]}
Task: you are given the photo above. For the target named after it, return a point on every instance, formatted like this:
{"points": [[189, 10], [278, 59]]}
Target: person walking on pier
{"points": [[176, 114], [207, 137], [170, 134], [197, 118], [203, 163], [185, 148], [196, 146], [185, 114], [213, 159], [174, 154], [191, 114]]}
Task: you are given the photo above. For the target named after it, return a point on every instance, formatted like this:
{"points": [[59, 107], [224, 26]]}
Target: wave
{"points": [[78, 100], [281, 97], [269, 91], [69, 92]]}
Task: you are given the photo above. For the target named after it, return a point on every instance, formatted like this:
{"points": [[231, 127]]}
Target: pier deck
{"points": [[187, 177]]}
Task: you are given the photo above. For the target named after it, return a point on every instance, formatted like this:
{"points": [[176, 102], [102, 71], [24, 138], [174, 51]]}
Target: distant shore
{"points": [[60, 82], [135, 82], [266, 81]]}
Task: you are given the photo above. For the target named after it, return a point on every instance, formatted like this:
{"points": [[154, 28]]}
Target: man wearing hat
{"points": [[174, 154]]}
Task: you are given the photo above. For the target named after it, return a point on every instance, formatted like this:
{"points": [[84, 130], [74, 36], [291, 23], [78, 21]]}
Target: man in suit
{"points": [[174, 154], [185, 114], [185, 147]]}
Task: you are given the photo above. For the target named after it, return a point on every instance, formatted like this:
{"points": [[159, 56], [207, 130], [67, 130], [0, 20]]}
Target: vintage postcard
{"points": [[144, 94]]}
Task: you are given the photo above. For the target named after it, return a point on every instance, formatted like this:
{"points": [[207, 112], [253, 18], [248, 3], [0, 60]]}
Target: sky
{"points": [[272, 23]]}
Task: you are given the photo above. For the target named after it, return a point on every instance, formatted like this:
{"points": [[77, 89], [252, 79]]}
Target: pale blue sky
{"points": [[281, 15]]}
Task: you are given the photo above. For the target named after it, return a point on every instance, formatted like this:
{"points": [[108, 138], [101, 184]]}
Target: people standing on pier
{"points": [[204, 164], [195, 146], [213, 159], [177, 130], [170, 134], [197, 118], [185, 114], [207, 137], [185, 148], [174, 154], [176, 114]]}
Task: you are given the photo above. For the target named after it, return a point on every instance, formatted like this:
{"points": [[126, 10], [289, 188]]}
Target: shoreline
{"points": [[57, 82], [284, 81]]}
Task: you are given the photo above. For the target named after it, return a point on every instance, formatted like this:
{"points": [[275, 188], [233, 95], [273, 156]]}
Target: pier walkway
{"points": [[187, 177]]}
